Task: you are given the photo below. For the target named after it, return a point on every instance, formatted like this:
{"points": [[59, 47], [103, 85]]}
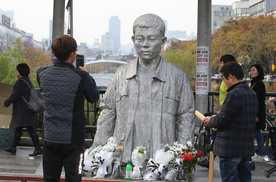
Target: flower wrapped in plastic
{"points": [[175, 165], [138, 156], [155, 166], [105, 159], [90, 168], [102, 158], [117, 172]]}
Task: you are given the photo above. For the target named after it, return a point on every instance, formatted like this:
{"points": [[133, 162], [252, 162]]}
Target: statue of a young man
{"points": [[148, 102]]}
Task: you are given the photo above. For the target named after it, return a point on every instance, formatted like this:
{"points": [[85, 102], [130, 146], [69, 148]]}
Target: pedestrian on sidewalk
{"points": [[22, 116], [63, 90], [235, 125], [257, 84]]}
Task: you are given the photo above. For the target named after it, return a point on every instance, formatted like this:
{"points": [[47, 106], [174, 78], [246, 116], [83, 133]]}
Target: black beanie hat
{"points": [[23, 69]]}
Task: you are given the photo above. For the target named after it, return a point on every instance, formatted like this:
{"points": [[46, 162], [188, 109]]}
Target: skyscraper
{"points": [[115, 32]]}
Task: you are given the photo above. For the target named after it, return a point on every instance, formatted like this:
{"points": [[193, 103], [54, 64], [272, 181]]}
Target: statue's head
{"points": [[148, 36], [149, 21]]}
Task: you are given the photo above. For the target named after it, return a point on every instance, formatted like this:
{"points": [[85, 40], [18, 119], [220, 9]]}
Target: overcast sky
{"points": [[91, 17]]}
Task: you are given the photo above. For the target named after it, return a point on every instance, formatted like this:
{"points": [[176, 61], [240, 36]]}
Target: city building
{"points": [[115, 32], [220, 14], [108, 43], [9, 32], [96, 44], [262, 7], [240, 9]]}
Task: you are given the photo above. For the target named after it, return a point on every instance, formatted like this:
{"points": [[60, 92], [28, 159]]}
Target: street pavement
{"points": [[23, 165]]}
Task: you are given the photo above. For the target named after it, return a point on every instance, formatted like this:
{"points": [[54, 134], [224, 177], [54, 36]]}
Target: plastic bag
{"points": [[137, 160]]}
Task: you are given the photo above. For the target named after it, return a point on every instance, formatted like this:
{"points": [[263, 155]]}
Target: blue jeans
{"points": [[260, 142], [234, 169]]}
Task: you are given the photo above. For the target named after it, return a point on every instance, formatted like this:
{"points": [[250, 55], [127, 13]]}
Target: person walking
{"points": [[63, 89], [235, 125], [257, 84], [22, 116]]}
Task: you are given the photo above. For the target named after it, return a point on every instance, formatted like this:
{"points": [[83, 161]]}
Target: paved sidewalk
{"points": [[21, 164]]}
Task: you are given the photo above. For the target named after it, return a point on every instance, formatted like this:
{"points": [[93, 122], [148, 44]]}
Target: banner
{"points": [[202, 64]]}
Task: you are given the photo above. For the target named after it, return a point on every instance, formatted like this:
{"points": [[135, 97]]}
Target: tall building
{"points": [[240, 9], [115, 32], [220, 14], [108, 44], [262, 7]]}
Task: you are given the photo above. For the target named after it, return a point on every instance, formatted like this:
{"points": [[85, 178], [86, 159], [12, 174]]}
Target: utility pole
{"points": [[69, 8], [203, 58], [58, 18]]}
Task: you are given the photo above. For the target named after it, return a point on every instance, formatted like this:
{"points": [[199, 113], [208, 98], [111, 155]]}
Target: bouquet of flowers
{"points": [[138, 157], [98, 159], [116, 173], [174, 166], [185, 159], [189, 159], [156, 165], [90, 168]]}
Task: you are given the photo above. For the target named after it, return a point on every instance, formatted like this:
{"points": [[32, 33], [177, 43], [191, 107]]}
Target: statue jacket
{"points": [[171, 97]]}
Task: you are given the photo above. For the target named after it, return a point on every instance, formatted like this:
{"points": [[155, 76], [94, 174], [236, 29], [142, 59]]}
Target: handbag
{"points": [[36, 102]]}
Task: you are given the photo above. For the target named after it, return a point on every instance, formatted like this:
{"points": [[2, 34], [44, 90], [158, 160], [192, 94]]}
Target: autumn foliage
{"points": [[250, 40]]}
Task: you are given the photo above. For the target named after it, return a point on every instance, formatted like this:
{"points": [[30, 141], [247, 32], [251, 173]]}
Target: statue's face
{"points": [[148, 42]]}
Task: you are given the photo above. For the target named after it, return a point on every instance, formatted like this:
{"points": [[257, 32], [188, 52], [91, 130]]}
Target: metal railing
{"points": [[92, 111]]}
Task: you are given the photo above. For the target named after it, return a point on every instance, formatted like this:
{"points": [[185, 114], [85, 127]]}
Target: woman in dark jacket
{"points": [[257, 84], [22, 116]]}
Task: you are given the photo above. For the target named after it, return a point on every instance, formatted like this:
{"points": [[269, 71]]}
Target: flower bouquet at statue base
{"points": [[117, 165], [98, 160], [106, 159], [138, 156], [189, 158], [156, 167], [184, 162], [89, 167]]}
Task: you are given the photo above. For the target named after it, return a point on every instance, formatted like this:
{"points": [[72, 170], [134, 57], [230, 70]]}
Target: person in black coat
{"points": [[22, 116], [257, 84], [234, 143]]}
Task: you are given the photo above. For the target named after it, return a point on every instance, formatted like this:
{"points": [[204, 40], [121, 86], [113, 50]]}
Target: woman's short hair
{"points": [[260, 71], [23, 69], [149, 21], [63, 46]]}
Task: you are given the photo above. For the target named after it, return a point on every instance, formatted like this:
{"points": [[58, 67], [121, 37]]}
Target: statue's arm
{"points": [[185, 113], [107, 118]]}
